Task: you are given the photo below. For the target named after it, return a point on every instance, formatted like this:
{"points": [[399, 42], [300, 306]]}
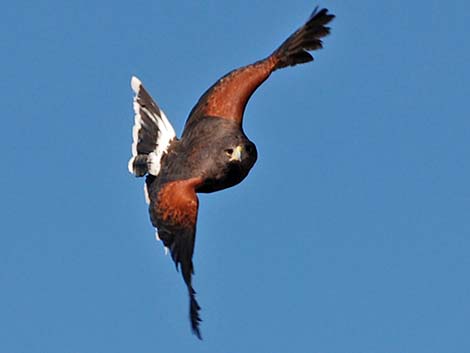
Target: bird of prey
{"points": [[213, 152]]}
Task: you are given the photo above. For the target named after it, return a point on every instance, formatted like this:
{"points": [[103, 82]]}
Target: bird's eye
{"points": [[248, 148], [229, 152]]}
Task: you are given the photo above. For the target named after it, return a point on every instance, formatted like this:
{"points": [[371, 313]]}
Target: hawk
{"points": [[213, 152]]}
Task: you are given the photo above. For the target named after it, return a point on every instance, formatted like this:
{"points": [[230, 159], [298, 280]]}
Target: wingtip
{"points": [[135, 84], [314, 12], [197, 333], [324, 12], [194, 316]]}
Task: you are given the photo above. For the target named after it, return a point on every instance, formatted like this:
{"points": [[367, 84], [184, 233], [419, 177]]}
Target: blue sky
{"points": [[351, 233]]}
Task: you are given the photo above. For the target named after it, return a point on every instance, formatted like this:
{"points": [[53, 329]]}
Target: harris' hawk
{"points": [[213, 152]]}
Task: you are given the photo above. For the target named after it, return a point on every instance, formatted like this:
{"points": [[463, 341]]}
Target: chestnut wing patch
{"points": [[175, 215], [228, 97]]}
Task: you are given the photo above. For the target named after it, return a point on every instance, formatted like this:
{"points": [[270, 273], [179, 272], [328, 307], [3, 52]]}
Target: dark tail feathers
{"points": [[295, 49]]}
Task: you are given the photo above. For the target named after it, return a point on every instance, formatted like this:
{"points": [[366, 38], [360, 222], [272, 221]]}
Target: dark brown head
{"points": [[218, 150], [232, 157]]}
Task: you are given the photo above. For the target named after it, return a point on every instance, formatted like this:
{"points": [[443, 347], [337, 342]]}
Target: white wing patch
{"points": [[152, 133]]}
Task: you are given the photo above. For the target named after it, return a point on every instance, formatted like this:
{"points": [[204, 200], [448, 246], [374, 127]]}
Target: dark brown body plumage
{"points": [[213, 152], [200, 153]]}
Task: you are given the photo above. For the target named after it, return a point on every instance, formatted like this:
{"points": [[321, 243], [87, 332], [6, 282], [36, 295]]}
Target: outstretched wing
{"points": [[152, 133], [174, 214], [228, 97]]}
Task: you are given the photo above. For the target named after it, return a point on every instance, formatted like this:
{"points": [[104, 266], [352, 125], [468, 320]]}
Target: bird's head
{"points": [[231, 163], [242, 155]]}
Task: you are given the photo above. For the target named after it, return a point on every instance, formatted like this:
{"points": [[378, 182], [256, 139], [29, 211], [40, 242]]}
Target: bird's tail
{"points": [[152, 133], [308, 37]]}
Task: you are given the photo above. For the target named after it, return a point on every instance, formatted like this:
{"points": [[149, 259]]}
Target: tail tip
{"points": [[138, 165], [135, 84]]}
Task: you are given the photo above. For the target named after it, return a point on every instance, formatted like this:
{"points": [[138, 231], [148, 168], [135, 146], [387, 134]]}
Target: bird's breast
{"points": [[229, 176]]}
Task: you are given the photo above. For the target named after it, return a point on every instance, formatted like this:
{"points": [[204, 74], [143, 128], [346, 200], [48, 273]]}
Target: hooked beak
{"points": [[237, 154]]}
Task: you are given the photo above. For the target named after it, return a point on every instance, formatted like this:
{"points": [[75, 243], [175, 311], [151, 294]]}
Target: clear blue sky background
{"points": [[351, 234]]}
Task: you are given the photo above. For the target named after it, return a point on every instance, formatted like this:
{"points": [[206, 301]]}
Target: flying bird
{"points": [[213, 152]]}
